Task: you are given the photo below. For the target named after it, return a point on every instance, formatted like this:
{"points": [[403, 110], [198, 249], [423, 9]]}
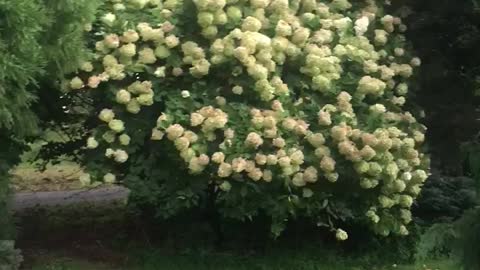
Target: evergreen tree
{"points": [[40, 40]]}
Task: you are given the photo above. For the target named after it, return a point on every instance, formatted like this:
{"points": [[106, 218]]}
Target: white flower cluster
{"points": [[210, 119], [322, 93]]}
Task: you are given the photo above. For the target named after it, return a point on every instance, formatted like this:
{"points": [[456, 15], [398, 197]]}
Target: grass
{"points": [[155, 260], [287, 260], [63, 176], [69, 264]]}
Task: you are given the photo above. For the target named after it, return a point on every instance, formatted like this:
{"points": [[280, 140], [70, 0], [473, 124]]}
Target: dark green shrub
{"points": [[469, 247], [444, 199], [10, 258]]}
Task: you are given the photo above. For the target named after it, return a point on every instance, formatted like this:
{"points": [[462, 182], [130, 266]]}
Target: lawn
{"points": [[64, 176], [28, 177], [154, 260]]}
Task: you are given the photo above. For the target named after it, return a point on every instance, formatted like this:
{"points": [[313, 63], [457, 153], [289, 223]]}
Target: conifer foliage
{"points": [[38, 39]]}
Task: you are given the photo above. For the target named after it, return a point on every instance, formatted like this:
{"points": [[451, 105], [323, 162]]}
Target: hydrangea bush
{"points": [[284, 107]]}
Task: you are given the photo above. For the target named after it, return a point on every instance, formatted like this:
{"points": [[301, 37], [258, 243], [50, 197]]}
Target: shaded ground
{"points": [[155, 260], [45, 260], [102, 236], [64, 227], [73, 235]]}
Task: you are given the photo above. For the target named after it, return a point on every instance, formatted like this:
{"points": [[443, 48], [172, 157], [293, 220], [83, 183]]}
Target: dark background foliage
{"points": [[446, 36], [445, 198]]}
